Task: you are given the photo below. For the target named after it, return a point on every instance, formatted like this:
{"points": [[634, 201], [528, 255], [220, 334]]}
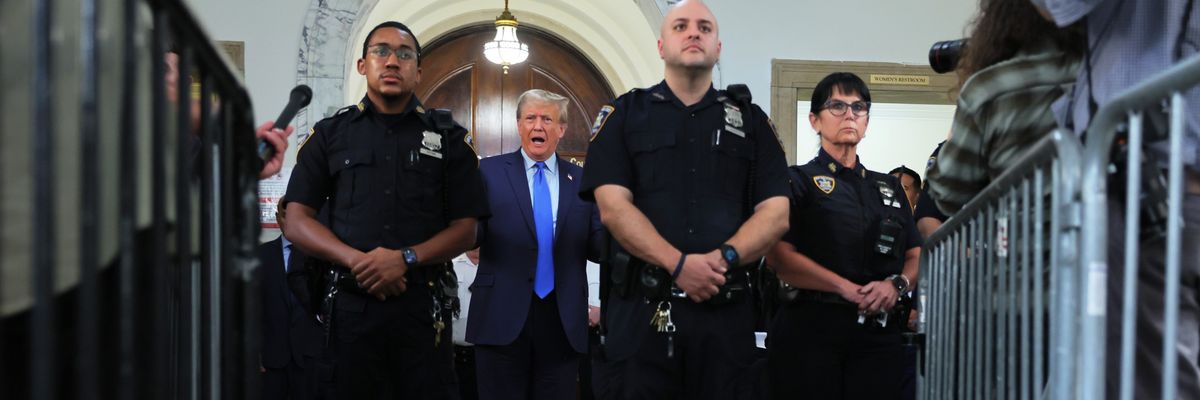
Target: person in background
{"points": [[529, 300], [929, 218], [1128, 42], [465, 268], [274, 137], [910, 181], [291, 338], [1015, 65]]}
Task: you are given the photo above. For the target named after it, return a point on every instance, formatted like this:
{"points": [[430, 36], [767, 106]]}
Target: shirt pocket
{"points": [[353, 171], [421, 180], [735, 155], [651, 160]]}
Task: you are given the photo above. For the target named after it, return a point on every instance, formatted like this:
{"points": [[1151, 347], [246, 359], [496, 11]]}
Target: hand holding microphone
{"points": [[273, 134]]}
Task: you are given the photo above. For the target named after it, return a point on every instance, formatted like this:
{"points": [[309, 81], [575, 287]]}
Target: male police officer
{"points": [[403, 194], [692, 184]]}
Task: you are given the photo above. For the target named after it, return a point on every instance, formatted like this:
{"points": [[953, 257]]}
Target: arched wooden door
{"points": [[455, 75]]}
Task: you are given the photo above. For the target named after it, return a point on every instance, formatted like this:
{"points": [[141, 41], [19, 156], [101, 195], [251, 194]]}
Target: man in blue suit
{"points": [[291, 339], [529, 307]]}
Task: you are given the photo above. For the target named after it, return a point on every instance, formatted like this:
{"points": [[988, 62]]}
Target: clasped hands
{"points": [[381, 272]]}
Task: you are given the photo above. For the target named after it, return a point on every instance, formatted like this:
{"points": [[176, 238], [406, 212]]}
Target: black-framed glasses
{"points": [[383, 51], [838, 108]]}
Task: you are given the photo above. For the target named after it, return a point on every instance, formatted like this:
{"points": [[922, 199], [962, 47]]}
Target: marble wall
{"points": [[324, 57]]}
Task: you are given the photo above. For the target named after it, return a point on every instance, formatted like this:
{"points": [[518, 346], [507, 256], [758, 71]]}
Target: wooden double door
{"points": [[455, 75]]}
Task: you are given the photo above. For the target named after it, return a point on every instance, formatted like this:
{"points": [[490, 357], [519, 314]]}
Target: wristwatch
{"points": [[730, 255], [410, 256], [900, 282]]}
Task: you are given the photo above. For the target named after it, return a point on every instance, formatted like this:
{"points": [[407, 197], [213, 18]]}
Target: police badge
{"points": [[825, 183], [431, 144], [733, 120], [733, 116]]}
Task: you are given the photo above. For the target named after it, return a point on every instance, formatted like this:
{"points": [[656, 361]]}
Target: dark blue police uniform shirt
{"points": [[926, 207], [390, 181], [687, 170], [836, 216]]}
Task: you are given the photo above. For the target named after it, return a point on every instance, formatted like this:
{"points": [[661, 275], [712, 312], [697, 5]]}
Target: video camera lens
{"points": [[943, 55]]}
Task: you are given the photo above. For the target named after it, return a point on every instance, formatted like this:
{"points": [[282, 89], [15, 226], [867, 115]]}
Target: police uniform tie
{"points": [[543, 280]]}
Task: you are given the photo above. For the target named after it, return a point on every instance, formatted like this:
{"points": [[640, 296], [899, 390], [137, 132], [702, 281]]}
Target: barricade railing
{"points": [[1122, 122], [997, 282], [137, 278]]}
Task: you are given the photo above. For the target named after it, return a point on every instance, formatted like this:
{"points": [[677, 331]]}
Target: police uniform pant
{"points": [[292, 382], [820, 351], [386, 349], [539, 364], [464, 365], [1149, 323], [714, 349]]}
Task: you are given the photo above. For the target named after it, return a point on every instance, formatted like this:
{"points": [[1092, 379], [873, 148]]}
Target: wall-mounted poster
{"points": [[236, 51], [269, 192]]}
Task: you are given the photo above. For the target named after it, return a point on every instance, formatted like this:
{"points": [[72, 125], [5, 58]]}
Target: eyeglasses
{"points": [[383, 51], [838, 108]]}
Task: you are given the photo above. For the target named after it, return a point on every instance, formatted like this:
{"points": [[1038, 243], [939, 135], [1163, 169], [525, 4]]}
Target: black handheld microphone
{"points": [[301, 95]]}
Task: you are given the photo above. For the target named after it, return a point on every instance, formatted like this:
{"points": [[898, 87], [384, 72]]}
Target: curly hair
{"points": [[1004, 27]]}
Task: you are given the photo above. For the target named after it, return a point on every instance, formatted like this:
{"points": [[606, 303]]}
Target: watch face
{"points": [[729, 254]]}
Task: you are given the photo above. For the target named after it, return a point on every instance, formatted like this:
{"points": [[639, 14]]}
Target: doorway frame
{"points": [[794, 80]]}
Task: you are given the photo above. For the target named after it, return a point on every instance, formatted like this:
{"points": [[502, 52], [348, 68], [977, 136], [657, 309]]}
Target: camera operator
{"points": [[1012, 68]]}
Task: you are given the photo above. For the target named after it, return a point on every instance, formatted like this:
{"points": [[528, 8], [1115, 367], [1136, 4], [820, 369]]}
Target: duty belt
{"points": [[817, 296], [734, 289], [420, 275]]}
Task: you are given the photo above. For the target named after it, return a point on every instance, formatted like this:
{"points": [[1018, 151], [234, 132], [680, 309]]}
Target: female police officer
{"points": [[850, 253]]}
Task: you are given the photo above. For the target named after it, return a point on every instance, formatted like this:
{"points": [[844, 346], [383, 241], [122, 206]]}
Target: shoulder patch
{"points": [[469, 139], [311, 132], [601, 118], [825, 183]]}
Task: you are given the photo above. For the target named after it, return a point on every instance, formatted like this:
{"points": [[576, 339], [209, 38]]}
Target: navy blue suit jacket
{"points": [[288, 333], [503, 287]]}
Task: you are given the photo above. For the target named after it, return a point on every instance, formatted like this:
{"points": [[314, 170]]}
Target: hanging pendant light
{"points": [[505, 49]]}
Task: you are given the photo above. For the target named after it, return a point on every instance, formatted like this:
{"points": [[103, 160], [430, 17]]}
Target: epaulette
{"points": [[346, 109], [632, 93]]}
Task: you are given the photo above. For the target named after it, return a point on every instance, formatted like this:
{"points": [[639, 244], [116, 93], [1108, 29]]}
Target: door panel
{"points": [[456, 75]]}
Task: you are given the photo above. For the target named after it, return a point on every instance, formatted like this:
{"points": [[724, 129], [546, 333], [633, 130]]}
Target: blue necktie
{"points": [[287, 266], [543, 280]]}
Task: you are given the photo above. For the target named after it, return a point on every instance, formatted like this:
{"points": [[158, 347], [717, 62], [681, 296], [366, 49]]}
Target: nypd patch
{"points": [[601, 118], [303, 141], [825, 183]]}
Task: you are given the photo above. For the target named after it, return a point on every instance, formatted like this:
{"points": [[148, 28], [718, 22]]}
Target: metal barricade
{"points": [[997, 278], [129, 206], [1124, 117]]}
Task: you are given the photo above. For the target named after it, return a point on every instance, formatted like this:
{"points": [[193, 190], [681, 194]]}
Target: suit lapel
{"points": [[520, 188], [566, 187]]}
